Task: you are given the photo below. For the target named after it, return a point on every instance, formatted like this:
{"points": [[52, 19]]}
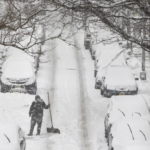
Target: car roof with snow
{"points": [[131, 128], [17, 68], [111, 55], [115, 70], [119, 72]]}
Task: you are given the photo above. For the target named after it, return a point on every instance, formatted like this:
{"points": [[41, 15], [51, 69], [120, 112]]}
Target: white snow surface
{"points": [[120, 77], [78, 110], [111, 54], [18, 69], [137, 147], [129, 130], [131, 106]]}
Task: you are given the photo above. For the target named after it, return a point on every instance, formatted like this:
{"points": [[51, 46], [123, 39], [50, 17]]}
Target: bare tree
{"points": [[126, 18], [19, 22]]}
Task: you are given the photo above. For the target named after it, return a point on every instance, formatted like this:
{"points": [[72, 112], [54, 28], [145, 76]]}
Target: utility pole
{"points": [[143, 73], [129, 44], [85, 15]]}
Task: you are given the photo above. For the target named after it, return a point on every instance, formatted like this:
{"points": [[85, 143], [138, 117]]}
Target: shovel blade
{"points": [[53, 130]]}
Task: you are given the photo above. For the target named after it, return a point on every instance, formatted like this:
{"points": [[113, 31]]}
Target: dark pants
{"points": [[35, 120]]}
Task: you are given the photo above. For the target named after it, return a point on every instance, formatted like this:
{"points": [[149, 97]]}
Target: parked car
{"points": [[11, 137], [118, 80], [18, 75], [109, 55], [87, 40], [128, 131], [125, 106]]}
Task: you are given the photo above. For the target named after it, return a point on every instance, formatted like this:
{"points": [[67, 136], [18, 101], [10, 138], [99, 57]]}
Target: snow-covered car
{"points": [[119, 80], [125, 106], [11, 137], [127, 131], [137, 147], [18, 75], [109, 55], [87, 40], [102, 67]]}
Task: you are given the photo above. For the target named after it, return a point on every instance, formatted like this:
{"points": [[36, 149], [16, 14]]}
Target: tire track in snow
{"points": [[43, 88], [87, 106], [86, 145], [66, 76]]}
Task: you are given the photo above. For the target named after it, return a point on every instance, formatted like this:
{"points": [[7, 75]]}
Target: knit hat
{"points": [[37, 96]]}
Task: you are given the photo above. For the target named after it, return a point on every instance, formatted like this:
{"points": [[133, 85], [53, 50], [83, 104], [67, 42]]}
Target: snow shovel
{"points": [[52, 129]]}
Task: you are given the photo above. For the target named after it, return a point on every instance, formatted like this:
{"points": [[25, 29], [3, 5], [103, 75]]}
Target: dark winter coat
{"points": [[37, 107]]}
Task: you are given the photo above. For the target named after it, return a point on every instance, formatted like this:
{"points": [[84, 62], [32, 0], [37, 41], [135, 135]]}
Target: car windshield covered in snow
{"points": [[111, 54]]}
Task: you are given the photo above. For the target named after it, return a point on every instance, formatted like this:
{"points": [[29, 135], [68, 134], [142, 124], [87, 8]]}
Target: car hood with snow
{"points": [[130, 130], [17, 70], [120, 78]]}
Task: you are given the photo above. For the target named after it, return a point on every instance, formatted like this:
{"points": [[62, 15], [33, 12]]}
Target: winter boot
{"points": [[38, 131], [30, 134]]}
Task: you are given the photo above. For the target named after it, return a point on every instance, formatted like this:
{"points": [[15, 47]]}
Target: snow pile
{"points": [[14, 107]]}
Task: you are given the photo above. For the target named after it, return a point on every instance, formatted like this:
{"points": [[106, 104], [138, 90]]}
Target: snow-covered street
{"points": [[74, 75], [78, 110]]}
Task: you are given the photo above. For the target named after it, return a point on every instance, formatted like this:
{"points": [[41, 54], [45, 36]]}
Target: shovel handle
{"points": [[50, 109]]}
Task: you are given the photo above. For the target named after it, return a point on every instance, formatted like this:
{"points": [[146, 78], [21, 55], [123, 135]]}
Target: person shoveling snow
{"points": [[36, 114]]}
